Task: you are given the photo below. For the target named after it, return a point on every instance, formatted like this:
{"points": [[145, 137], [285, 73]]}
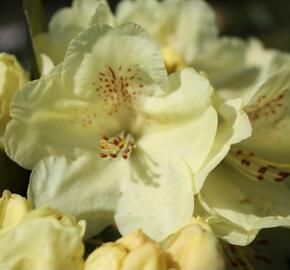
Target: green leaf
{"points": [[12, 176], [36, 23]]}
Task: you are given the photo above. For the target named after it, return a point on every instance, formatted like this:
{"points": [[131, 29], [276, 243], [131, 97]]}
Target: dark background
{"points": [[268, 20]]}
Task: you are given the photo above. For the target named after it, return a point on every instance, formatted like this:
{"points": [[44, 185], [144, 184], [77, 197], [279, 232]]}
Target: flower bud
{"points": [[149, 256], [13, 208], [109, 256], [45, 239], [194, 247], [131, 252], [12, 78], [134, 240]]}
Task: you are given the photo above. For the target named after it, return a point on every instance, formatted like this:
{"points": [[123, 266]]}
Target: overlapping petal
{"points": [[239, 202]]}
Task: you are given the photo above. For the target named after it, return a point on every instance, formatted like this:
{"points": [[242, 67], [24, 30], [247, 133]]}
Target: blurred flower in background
{"points": [[267, 20]]}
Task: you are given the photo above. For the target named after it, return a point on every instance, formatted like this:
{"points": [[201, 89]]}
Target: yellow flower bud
{"points": [[45, 239], [110, 256], [135, 251], [149, 256], [134, 240], [194, 247], [12, 78], [13, 208]]}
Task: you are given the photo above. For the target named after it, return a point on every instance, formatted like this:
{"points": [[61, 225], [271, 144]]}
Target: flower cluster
{"points": [[148, 121]]}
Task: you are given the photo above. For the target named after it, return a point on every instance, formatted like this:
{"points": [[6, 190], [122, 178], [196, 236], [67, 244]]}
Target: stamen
{"points": [[118, 146]]}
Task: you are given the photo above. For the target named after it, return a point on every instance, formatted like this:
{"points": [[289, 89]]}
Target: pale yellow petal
{"points": [[45, 239], [243, 203], [12, 78], [162, 189], [87, 187]]}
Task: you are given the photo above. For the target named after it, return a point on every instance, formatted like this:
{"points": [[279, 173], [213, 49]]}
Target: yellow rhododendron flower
{"points": [[13, 208], [109, 133], [12, 78], [44, 239]]}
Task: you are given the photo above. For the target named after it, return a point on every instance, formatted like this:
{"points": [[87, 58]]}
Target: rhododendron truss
{"points": [[111, 138]]}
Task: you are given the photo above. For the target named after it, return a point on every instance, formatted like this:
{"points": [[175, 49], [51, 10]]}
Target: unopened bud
{"points": [[194, 247]]}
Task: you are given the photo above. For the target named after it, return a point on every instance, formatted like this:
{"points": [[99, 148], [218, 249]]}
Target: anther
{"points": [[120, 145]]}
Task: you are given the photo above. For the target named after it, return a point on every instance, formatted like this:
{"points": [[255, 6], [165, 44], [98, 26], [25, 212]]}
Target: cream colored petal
{"points": [[158, 198], [190, 41], [246, 66], [48, 119], [269, 113], [183, 123], [102, 58], [85, 9], [46, 64], [144, 13], [65, 25], [230, 232], [12, 78], [190, 141], [45, 239], [233, 127], [87, 187], [231, 53], [103, 14], [244, 203], [168, 22], [189, 93]]}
